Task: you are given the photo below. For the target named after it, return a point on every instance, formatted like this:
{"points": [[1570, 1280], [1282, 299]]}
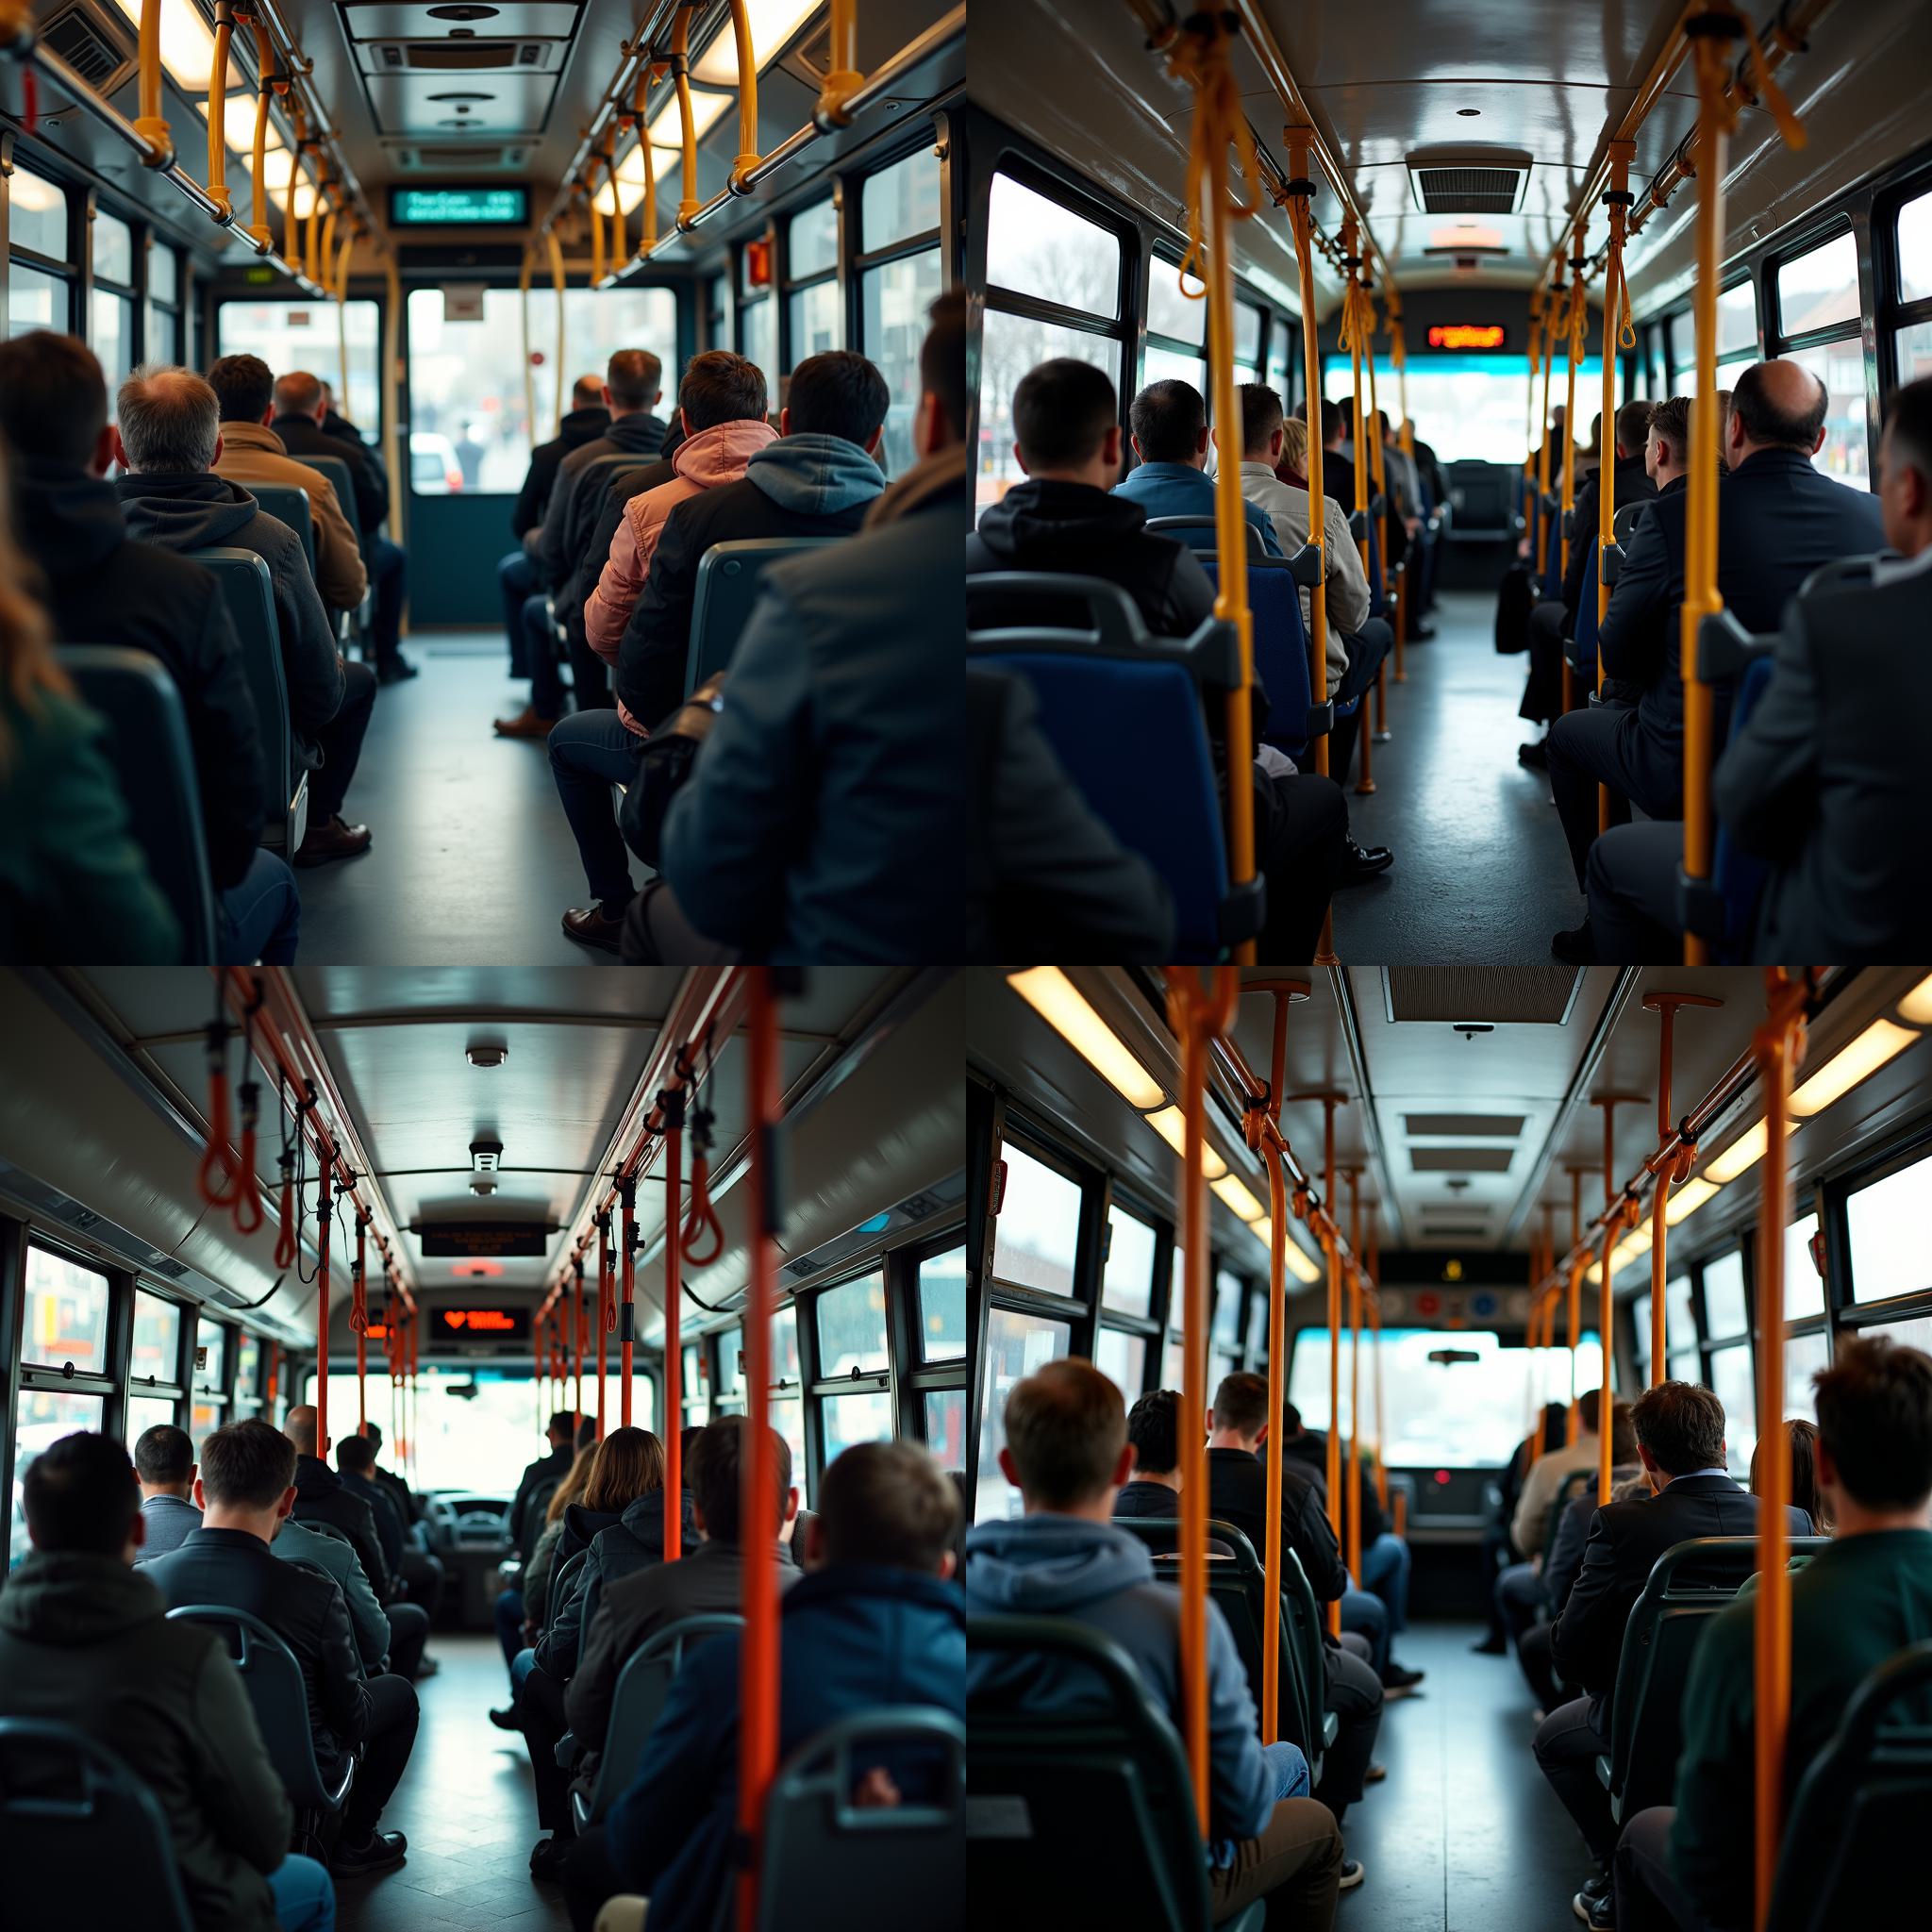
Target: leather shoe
{"points": [[506, 1719], [526, 723], [591, 925], [1536, 756], [1422, 633], [394, 669], [1576, 947], [331, 838], [1359, 863]]}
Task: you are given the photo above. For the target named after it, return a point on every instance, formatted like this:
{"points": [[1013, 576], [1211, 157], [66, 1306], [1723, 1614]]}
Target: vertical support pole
{"points": [[628, 1194], [579, 1335], [1617, 198], [673, 1106], [1353, 1491], [324, 1227], [604, 1316], [1332, 1242], [1572, 1422], [360, 1319], [1299, 141]]}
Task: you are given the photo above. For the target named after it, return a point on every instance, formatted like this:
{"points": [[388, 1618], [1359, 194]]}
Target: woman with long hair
{"points": [[1802, 1437]]}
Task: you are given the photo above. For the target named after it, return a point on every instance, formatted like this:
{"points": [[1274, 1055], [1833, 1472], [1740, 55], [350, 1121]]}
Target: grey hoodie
{"points": [[815, 476], [1048, 1565]]}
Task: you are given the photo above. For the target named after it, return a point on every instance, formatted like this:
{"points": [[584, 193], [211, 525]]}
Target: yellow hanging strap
{"points": [[1294, 195], [1769, 92], [1529, 443], [1200, 59]]}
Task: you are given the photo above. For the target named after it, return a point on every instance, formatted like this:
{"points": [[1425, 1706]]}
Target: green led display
{"points": [[451, 208]]}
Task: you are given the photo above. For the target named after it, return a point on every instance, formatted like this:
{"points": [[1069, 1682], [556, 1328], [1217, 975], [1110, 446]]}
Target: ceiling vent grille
{"points": [[1461, 1160], [94, 54], [1463, 1126], [1468, 181], [1486, 996]]}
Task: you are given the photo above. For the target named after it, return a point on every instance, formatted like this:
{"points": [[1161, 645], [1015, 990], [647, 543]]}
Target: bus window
{"points": [[303, 335], [156, 1340], [144, 1412], [42, 1417], [1841, 367], [899, 217], [1016, 1344], [468, 430], [852, 1327], [1885, 1222], [162, 318], [1247, 342], [1805, 1355], [66, 1315], [1730, 1382], [211, 1355], [1128, 1286], [1470, 404], [945, 1427], [111, 328], [759, 344], [1039, 1225], [37, 215], [595, 326], [1723, 1297], [1912, 352], [1804, 1284], [942, 1306], [864, 1416], [1818, 288], [1123, 1359]]}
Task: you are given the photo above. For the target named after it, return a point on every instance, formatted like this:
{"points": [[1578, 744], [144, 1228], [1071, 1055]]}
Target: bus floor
{"points": [[473, 862], [1480, 872], [467, 1806], [1465, 1834]]}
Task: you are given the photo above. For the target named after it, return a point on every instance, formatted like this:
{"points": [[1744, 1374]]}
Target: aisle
{"points": [[1465, 1835], [1481, 876]]}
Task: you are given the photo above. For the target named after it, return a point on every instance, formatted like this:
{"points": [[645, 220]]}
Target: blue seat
{"points": [[1200, 535], [727, 587], [289, 505], [1281, 654], [81, 1838], [1123, 712], [154, 758]]}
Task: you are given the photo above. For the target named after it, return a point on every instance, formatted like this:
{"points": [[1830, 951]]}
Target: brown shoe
{"points": [[526, 723], [331, 838], [590, 926]]}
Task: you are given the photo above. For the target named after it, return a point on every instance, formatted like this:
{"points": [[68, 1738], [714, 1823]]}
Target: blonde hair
{"points": [[572, 1488], [28, 668], [1294, 445]]}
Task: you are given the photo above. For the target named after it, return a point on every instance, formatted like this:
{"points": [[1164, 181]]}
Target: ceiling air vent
{"points": [[1461, 1160], [1470, 1126], [1469, 180], [80, 40], [1515, 996]]}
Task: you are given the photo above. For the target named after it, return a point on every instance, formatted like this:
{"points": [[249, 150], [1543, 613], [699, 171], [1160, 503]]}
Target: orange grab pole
{"points": [[358, 1320], [1353, 1491], [323, 1209], [672, 1104], [627, 1193], [578, 1337], [605, 1313]]}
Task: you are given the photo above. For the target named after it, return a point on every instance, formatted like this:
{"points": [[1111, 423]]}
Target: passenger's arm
{"points": [[1240, 1794], [557, 1651], [1584, 534], [657, 641], [1348, 583], [675, 1786], [1766, 781], [1312, 1537], [339, 572], [619, 582], [338, 1672], [239, 1793], [586, 1701], [1192, 594], [1566, 1554], [366, 1617], [1634, 632], [228, 745], [1586, 1638], [1710, 1845], [311, 662]]}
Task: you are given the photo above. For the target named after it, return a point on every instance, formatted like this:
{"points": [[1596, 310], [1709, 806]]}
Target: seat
{"points": [[895, 1867], [154, 759], [273, 1679], [1625, 518], [1689, 1582], [1125, 714], [249, 592], [1572, 1486], [1199, 533], [1112, 1777], [343, 483], [1281, 655], [1583, 643], [727, 587], [79, 1829], [1859, 1806], [289, 505]]}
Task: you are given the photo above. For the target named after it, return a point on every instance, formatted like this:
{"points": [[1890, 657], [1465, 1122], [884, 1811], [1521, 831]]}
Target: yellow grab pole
{"points": [[589, 187], [391, 398], [151, 123], [1353, 300], [842, 78], [1612, 1229], [290, 253], [680, 73], [1332, 1243], [1579, 338], [218, 109], [1616, 321], [1376, 1357], [747, 96], [1375, 431], [342, 293], [264, 68], [1529, 447], [1300, 186], [557, 280]]}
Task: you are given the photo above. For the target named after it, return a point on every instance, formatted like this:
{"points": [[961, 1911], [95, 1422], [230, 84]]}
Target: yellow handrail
{"points": [[688, 203], [1580, 341], [1356, 324], [391, 397], [747, 158], [1529, 441], [290, 251], [151, 123], [530, 372], [1376, 1357], [842, 78], [264, 68], [647, 236], [218, 111], [342, 293], [1354, 1383], [1300, 186], [1331, 1247], [597, 213], [556, 278]]}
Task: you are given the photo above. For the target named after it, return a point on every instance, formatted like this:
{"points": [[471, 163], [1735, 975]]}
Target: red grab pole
{"points": [[629, 1191], [321, 1234], [672, 1104]]}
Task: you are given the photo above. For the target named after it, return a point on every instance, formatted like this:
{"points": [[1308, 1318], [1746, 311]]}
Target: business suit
{"points": [[1778, 519]]}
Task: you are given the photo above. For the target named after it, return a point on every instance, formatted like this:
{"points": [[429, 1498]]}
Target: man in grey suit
{"points": [[164, 1463]]}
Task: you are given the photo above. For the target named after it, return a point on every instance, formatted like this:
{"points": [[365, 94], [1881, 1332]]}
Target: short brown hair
{"points": [[1632, 426], [719, 387], [838, 393], [1153, 1429], [888, 1503], [635, 379], [164, 1454], [243, 385], [1260, 417], [1874, 1421], [79, 1496], [1682, 1426], [1671, 419], [716, 1478], [53, 397], [629, 1463], [1062, 409], [942, 358], [1241, 1404], [247, 1463], [1066, 1426]]}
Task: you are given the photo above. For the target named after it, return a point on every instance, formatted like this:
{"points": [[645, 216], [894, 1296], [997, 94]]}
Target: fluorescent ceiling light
{"points": [[1747, 1150], [188, 49], [667, 125], [1916, 1005], [1846, 1068], [239, 126], [773, 23], [1296, 1261], [1689, 1199], [1059, 1003], [1168, 1123], [1235, 1193]]}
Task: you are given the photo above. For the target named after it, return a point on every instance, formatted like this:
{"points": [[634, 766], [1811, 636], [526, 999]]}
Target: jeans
{"points": [[1384, 1573], [1368, 1616], [1289, 1771], [387, 574], [341, 743], [589, 752], [517, 575], [509, 1624], [258, 918], [545, 670], [304, 1895], [520, 1666]]}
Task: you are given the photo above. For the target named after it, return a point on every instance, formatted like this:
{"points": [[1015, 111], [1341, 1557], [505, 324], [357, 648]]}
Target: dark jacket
{"points": [[1077, 531], [320, 1497], [1045, 878], [619, 1546], [1633, 486], [1238, 1493], [825, 820], [1141, 1499], [336, 424], [549, 1469], [1626, 1541], [301, 1605], [103, 588], [303, 436], [576, 429], [170, 1520], [398, 1491], [85, 1640], [621, 482], [1777, 519], [382, 1511], [1571, 1539], [202, 512], [567, 523], [850, 1639], [800, 485]]}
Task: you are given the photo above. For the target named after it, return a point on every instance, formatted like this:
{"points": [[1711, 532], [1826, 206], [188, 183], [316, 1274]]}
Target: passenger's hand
{"points": [[875, 1791]]}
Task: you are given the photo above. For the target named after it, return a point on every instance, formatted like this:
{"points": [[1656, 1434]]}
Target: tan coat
{"points": [[253, 452]]}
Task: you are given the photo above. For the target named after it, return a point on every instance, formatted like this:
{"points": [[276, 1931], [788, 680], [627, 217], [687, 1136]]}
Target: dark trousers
{"points": [[1567, 1747], [509, 1624], [540, 658], [657, 933], [1533, 1654], [589, 754], [1518, 1597], [408, 1631], [517, 578], [1496, 1553], [541, 1707], [1543, 691], [1354, 1695], [388, 575], [1367, 648], [1588, 748], [393, 1717], [1649, 1899], [590, 1878], [1301, 829], [341, 743], [1632, 882], [423, 1577], [590, 677]]}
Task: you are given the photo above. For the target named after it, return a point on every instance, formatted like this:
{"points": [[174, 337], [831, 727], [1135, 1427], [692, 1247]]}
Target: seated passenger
{"points": [[300, 405], [520, 574], [1066, 1454], [164, 1463], [1831, 764], [873, 1622], [546, 1471], [246, 1486], [1680, 1442], [522, 1613], [1338, 472], [252, 452], [103, 588], [710, 1577], [320, 1497], [823, 819], [297, 1542], [408, 1622], [85, 1640], [1801, 1441], [1498, 1545], [1855, 1605], [1168, 422], [333, 422], [1778, 519], [422, 1572], [1154, 1435], [1543, 1482], [168, 439]]}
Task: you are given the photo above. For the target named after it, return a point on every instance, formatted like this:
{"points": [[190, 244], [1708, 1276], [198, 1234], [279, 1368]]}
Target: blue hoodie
{"points": [[815, 476], [1047, 1565]]}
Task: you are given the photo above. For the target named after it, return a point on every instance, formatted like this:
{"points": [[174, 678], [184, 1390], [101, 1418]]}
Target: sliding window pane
{"points": [[1127, 1287], [1169, 310], [1820, 286], [1640, 1322], [1914, 248], [1917, 1333], [211, 1354], [1723, 1297], [1168, 365], [731, 1367], [865, 1416], [894, 301], [205, 1415], [814, 321], [901, 201], [787, 1418], [1039, 1225], [66, 1314], [156, 1339], [34, 300], [44, 1415], [111, 338], [761, 325], [945, 1427], [1009, 346], [1805, 1355], [113, 250], [1247, 336], [1804, 1283], [1736, 321], [785, 1347], [1886, 1222], [1038, 247], [1123, 1359], [852, 1327], [163, 335], [1841, 367], [37, 215], [1730, 1381], [1016, 1344], [1912, 351], [1227, 1311], [811, 240], [1680, 1324], [942, 1306], [144, 1412], [163, 274]]}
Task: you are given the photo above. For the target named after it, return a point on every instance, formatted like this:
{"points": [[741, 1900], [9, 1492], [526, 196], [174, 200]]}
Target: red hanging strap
{"points": [[702, 1221], [216, 1177], [247, 1185]]}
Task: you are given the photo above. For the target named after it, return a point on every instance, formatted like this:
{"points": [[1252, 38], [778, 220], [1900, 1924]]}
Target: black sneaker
{"points": [[1597, 1911], [394, 669], [547, 1856], [506, 1719], [1398, 1679], [382, 1850], [1535, 757]]}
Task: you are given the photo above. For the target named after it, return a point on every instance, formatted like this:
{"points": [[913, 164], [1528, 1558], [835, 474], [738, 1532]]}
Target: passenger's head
{"points": [[633, 382], [887, 1504], [687, 1447], [837, 393], [629, 1463], [1622, 1435], [1875, 1432], [301, 1425], [718, 387], [1680, 1429], [1596, 430], [1290, 1421], [1066, 1439], [1240, 1409], [1294, 446], [1667, 443], [716, 1474], [587, 393], [168, 422], [1724, 429], [1904, 469], [247, 1479], [356, 1456], [1775, 406], [1556, 1422], [1261, 422], [1153, 1429], [80, 1499], [1382, 417], [328, 397], [563, 1427], [1331, 423], [54, 402], [1169, 420], [587, 1432], [1801, 1438], [1556, 421], [939, 421], [575, 1479], [1066, 423], [1589, 1407], [1632, 426], [244, 388], [300, 392], [164, 1461], [372, 1434]]}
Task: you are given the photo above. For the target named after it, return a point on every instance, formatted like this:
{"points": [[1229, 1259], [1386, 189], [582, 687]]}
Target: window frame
{"points": [[68, 272]]}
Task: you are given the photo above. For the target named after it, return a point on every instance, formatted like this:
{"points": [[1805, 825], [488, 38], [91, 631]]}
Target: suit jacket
{"points": [[302, 1607], [170, 1522], [1778, 519]]}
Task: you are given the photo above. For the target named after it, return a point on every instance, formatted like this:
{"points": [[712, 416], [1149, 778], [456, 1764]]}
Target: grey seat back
{"points": [[728, 579], [154, 758], [289, 505]]}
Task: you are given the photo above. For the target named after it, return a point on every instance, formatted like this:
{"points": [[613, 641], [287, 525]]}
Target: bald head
{"points": [[299, 394], [1774, 406], [167, 423], [300, 1428]]}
